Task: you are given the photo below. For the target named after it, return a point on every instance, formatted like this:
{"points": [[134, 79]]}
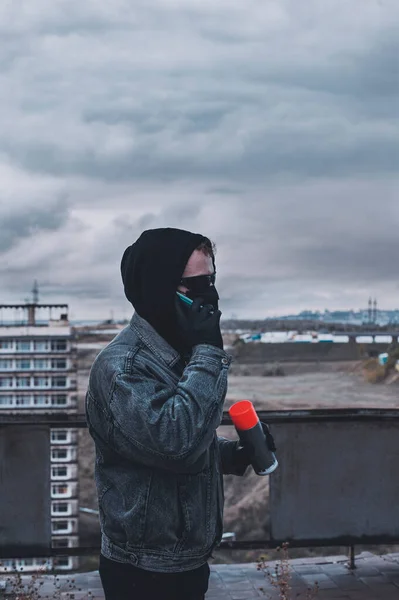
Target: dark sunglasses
{"points": [[198, 283]]}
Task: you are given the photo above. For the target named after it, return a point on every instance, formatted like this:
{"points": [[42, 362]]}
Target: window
{"points": [[40, 363], [60, 508], [59, 436], [5, 382], [41, 400], [59, 345], [60, 543], [41, 345], [5, 364], [25, 562], [23, 400], [59, 453], [7, 562], [6, 400], [41, 382], [59, 382], [23, 363], [59, 471], [60, 490], [63, 562], [60, 400], [23, 346], [60, 526], [23, 382], [6, 344], [59, 363]]}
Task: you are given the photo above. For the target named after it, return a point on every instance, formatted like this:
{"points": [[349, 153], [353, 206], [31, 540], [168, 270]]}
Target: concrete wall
{"points": [[336, 480], [25, 487], [305, 352]]}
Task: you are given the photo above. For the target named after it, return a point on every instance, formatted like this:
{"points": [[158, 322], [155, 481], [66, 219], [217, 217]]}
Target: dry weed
{"points": [[19, 588], [280, 579], [374, 372]]}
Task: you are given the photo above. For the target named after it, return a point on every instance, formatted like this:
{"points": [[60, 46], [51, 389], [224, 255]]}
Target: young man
{"points": [[154, 402]]}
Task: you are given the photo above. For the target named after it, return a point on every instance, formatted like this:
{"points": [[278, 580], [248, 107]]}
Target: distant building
{"points": [[38, 373], [360, 317]]}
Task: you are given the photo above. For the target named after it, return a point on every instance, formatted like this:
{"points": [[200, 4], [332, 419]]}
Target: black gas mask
{"points": [[202, 286]]}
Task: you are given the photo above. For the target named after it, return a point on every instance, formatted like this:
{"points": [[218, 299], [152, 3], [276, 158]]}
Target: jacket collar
{"points": [[151, 338]]}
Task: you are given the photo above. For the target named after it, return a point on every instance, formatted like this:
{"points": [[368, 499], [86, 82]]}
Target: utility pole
{"points": [[35, 293]]}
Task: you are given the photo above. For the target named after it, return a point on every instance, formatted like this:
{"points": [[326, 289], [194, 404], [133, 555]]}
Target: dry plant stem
{"points": [[281, 577], [18, 590]]}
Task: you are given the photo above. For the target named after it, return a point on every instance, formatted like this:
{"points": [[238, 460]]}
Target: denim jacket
{"points": [[159, 463]]}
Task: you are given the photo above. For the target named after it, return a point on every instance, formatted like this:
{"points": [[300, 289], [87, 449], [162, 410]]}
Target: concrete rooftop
{"points": [[375, 578]]}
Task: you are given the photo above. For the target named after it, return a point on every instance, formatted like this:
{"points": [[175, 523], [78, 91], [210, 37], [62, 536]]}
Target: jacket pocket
{"points": [[112, 515], [164, 522], [196, 513]]}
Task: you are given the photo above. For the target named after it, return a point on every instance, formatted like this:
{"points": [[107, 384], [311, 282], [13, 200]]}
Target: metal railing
{"points": [[335, 427], [78, 421]]}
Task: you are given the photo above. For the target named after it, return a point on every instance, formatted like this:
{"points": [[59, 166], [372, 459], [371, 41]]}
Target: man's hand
{"points": [[243, 456], [199, 325]]}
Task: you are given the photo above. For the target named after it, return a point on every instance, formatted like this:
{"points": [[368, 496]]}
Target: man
{"points": [[154, 401]]}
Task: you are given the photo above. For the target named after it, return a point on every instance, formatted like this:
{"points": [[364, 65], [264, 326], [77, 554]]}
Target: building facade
{"points": [[38, 374]]}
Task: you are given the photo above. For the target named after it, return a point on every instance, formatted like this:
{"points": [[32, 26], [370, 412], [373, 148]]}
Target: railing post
{"points": [[352, 560]]}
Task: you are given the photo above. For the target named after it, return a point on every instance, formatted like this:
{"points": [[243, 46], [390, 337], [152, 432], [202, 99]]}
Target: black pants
{"points": [[127, 582]]}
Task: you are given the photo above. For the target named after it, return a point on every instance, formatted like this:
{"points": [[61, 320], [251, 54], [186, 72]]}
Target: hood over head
{"points": [[151, 271]]}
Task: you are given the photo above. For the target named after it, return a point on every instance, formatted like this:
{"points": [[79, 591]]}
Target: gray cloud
{"points": [[271, 127], [18, 226], [176, 106]]}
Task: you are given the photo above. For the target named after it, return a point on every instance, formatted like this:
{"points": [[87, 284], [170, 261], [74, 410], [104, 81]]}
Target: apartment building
{"points": [[38, 374]]}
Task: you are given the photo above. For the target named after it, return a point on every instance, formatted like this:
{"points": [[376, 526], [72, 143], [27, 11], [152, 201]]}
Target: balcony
{"points": [[63, 436], [65, 542], [40, 365], [345, 495], [64, 472], [28, 382], [64, 508], [63, 454], [64, 526], [10, 400], [21, 349], [64, 490]]}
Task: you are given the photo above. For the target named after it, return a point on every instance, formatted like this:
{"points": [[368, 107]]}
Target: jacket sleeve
{"points": [[231, 464], [164, 426]]}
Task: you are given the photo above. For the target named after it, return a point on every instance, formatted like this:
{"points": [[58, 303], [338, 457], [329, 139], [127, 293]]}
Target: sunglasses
{"points": [[199, 283]]}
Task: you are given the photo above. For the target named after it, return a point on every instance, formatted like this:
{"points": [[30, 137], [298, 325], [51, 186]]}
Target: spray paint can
{"points": [[253, 438]]}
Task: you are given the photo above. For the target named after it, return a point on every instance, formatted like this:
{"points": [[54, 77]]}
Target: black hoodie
{"points": [[151, 271]]}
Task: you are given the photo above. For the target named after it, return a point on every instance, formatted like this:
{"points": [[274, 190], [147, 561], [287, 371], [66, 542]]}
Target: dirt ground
{"points": [[335, 389], [325, 385]]}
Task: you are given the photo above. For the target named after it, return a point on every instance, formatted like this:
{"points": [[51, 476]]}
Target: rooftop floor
{"points": [[375, 578]]}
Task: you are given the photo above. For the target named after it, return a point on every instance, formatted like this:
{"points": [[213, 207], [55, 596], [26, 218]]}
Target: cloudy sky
{"points": [[269, 126]]}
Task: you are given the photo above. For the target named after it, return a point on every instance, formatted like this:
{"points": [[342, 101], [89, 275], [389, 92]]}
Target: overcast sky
{"points": [[269, 126]]}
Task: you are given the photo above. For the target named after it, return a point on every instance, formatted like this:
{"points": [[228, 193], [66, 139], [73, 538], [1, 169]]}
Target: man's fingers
{"points": [[208, 307], [216, 314], [196, 305], [269, 438]]}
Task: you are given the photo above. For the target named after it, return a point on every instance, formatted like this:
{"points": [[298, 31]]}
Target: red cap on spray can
{"points": [[243, 414]]}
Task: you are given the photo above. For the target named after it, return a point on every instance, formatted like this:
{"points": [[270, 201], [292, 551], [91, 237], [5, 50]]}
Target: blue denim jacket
{"points": [[159, 463]]}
